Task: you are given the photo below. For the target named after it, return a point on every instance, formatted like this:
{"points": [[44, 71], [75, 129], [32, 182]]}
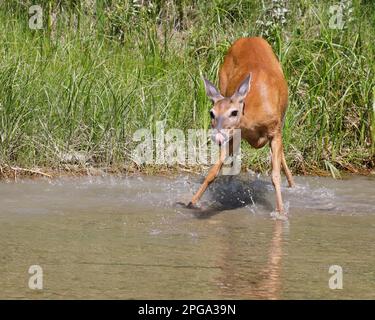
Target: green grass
{"points": [[72, 95]]}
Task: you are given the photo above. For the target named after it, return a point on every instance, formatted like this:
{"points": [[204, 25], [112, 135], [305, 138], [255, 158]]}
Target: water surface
{"points": [[107, 237]]}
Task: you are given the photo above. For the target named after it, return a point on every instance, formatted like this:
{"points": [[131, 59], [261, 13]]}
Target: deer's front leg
{"points": [[276, 149], [212, 174]]}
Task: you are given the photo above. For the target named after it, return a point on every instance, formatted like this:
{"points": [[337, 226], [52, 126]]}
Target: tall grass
{"points": [[73, 93]]}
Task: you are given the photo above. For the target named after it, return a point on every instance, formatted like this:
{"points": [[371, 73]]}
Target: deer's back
{"points": [[267, 99]]}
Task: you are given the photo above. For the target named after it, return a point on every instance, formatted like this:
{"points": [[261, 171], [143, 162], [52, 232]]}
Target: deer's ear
{"points": [[243, 89], [211, 91]]}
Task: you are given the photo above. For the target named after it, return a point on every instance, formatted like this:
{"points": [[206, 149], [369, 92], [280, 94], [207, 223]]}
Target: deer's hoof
{"points": [[191, 205], [276, 215]]}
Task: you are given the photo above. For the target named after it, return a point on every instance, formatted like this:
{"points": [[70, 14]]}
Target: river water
{"points": [[124, 238]]}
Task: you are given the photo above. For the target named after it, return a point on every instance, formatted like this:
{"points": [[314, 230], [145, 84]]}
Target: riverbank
{"points": [[16, 173]]}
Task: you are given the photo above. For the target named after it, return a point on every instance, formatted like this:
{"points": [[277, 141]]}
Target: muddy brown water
{"points": [[121, 238]]}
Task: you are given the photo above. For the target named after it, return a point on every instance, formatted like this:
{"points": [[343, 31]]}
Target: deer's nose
{"points": [[219, 124], [219, 138]]}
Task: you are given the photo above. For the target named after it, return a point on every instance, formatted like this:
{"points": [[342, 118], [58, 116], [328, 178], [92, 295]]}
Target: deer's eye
{"points": [[234, 113], [212, 115]]}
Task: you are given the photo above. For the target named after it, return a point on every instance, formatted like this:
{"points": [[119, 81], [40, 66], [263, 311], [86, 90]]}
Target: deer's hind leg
{"points": [[287, 172]]}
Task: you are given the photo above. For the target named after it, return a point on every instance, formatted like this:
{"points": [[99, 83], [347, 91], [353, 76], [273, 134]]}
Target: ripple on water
{"points": [[244, 192]]}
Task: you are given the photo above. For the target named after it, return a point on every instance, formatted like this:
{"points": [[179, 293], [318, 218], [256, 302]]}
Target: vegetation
{"points": [[73, 93]]}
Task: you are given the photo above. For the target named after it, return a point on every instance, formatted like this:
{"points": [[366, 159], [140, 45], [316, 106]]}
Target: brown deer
{"points": [[253, 97]]}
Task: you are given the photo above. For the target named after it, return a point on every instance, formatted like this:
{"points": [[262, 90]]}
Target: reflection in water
{"points": [[255, 284], [230, 193], [272, 283]]}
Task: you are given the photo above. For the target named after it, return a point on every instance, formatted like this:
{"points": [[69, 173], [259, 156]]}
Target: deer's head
{"points": [[226, 111]]}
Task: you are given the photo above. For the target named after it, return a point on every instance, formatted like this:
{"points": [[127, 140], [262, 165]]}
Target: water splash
{"points": [[247, 193]]}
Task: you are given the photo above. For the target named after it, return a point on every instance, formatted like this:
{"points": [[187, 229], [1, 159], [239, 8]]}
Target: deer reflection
{"points": [[245, 282], [237, 279], [270, 286]]}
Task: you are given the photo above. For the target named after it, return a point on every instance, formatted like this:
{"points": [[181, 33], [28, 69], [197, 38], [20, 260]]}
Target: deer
{"points": [[253, 97]]}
